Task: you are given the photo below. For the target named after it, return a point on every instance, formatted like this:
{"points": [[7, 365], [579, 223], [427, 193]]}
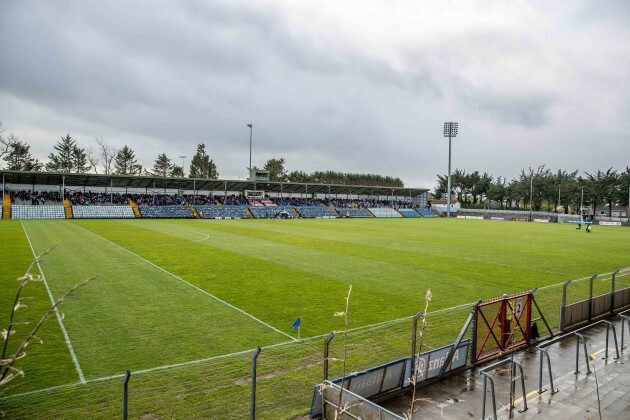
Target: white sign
{"points": [[518, 306]]}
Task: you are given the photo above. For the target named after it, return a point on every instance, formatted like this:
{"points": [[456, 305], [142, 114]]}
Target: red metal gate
{"points": [[501, 325]]}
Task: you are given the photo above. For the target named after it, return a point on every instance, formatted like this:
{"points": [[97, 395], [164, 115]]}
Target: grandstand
{"points": [[166, 212], [409, 213], [37, 212], [425, 212], [102, 212], [95, 196], [223, 212], [354, 212], [384, 212], [317, 212], [271, 212]]}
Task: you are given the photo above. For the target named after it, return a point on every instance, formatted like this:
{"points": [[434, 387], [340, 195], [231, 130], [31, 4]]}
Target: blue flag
{"points": [[296, 323]]}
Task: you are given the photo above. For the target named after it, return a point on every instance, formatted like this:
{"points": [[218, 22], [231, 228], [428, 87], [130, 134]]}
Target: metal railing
{"points": [[486, 377], [624, 318], [351, 405], [580, 338]]}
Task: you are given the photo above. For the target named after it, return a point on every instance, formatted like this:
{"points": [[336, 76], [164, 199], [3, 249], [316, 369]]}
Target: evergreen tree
{"points": [[603, 188], [63, 160], [201, 166], [125, 162], [19, 158], [80, 160], [163, 166], [276, 169], [177, 171]]}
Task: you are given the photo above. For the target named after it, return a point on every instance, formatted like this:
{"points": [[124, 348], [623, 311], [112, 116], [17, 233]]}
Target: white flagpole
{"points": [[299, 332]]}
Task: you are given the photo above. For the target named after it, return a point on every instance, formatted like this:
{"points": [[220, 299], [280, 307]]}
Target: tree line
{"points": [[277, 172], [544, 189], [69, 157]]}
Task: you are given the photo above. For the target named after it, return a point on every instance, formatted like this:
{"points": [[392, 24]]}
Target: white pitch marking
{"points": [[190, 284], [139, 372], [202, 239], [52, 301]]}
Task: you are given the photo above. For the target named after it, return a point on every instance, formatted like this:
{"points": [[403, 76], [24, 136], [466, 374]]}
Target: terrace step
{"points": [[6, 207], [67, 208], [134, 207]]}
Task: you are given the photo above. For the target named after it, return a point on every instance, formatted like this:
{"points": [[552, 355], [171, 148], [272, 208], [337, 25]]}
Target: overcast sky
{"points": [[353, 86]]}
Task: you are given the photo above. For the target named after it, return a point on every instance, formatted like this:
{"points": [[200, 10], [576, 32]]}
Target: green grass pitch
{"points": [[168, 292]]}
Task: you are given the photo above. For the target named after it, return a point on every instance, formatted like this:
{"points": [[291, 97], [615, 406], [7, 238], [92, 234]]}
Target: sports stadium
{"points": [[234, 299]]}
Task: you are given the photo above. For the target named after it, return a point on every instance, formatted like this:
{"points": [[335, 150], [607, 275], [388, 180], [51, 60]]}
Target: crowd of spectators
{"points": [[368, 203], [295, 202], [35, 197], [80, 198], [105, 198], [232, 200]]}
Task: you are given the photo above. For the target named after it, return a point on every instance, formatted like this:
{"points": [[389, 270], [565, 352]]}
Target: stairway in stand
{"points": [[67, 208], [135, 208], [6, 206]]}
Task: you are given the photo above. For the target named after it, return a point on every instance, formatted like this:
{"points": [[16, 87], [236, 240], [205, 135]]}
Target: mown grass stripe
{"points": [[190, 284], [57, 314]]}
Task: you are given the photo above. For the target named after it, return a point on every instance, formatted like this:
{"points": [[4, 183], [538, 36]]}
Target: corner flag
{"points": [[296, 324]]}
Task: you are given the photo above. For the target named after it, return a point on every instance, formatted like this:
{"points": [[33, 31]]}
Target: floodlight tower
{"points": [[450, 130], [250, 146], [183, 158]]}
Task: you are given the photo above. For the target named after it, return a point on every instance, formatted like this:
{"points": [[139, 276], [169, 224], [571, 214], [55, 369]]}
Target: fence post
{"points": [[564, 304], [590, 298], [413, 343], [326, 345], [126, 393], [473, 319], [252, 407], [612, 293]]}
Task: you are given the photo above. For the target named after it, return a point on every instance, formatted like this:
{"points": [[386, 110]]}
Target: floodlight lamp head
{"points": [[450, 129], [249, 125]]}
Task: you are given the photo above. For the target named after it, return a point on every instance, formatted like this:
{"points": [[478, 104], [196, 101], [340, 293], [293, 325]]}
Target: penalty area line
{"points": [[260, 321], [59, 319]]}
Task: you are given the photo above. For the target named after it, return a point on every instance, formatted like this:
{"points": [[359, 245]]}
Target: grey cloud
{"points": [[164, 76], [527, 110]]}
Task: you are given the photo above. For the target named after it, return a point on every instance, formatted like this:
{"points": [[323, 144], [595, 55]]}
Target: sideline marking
{"points": [[189, 284], [52, 300]]}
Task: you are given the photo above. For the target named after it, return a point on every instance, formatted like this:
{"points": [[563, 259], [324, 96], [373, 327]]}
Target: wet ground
{"points": [[579, 396]]}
